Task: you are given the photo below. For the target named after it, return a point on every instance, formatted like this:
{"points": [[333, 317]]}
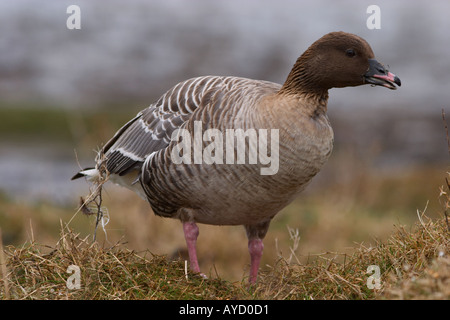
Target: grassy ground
{"points": [[411, 264]]}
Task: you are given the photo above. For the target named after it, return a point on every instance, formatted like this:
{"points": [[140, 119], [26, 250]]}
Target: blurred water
{"points": [[127, 53], [40, 171], [136, 50]]}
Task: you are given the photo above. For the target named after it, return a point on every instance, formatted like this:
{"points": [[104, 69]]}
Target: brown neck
{"points": [[303, 78], [301, 82]]}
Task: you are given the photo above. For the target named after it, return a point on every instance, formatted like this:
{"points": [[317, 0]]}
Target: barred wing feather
{"points": [[152, 128]]}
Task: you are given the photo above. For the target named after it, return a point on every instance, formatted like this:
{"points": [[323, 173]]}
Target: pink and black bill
{"points": [[378, 75]]}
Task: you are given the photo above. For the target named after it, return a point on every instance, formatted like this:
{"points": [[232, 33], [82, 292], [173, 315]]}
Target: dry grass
{"points": [[105, 273], [413, 264]]}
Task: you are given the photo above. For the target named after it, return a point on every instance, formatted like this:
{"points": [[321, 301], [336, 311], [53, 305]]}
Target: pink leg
{"points": [[255, 248], [190, 234]]}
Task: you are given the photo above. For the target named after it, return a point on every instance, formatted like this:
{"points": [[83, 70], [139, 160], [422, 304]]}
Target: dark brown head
{"points": [[337, 60]]}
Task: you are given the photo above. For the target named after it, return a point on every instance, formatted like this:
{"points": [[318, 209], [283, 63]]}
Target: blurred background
{"points": [[63, 93]]}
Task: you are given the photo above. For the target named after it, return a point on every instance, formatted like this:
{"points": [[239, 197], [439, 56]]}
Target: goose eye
{"points": [[350, 53]]}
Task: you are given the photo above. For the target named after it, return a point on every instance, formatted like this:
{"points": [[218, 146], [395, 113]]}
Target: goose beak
{"points": [[377, 75]]}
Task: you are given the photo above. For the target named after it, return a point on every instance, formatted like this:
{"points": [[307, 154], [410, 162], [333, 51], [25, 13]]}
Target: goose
{"points": [[144, 155]]}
